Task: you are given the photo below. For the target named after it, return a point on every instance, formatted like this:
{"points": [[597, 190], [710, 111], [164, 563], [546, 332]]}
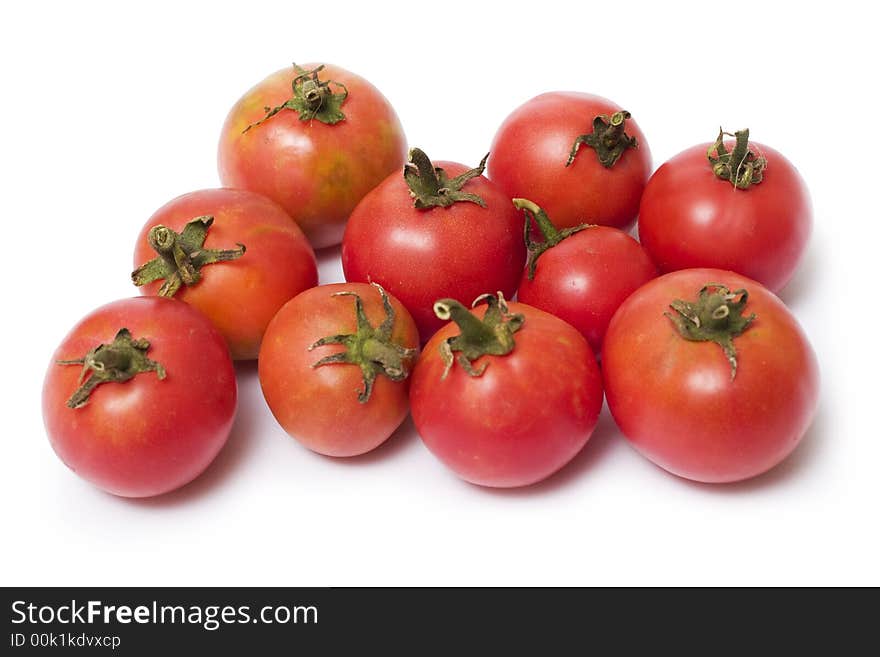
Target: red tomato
{"points": [[240, 295], [316, 163], [420, 250], [582, 274], [533, 145], [154, 405], [705, 408], [692, 218], [528, 413], [334, 378]]}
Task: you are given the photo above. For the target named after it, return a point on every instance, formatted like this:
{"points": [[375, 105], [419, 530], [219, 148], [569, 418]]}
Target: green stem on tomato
{"points": [[492, 335], [742, 167], [608, 139], [430, 187], [716, 316], [551, 235], [119, 361], [311, 98], [369, 347], [181, 256]]}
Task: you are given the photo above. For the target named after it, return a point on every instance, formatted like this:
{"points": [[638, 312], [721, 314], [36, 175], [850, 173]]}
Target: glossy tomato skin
{"points": [[319, 406], [421, 256], [145, 436], [675, 400], [690, 218], [239, 296], [317, 172], [530, 150], [586, 277], [526, 417]]}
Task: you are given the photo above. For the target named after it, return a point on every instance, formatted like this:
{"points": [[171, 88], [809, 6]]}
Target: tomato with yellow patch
{"points": [[316, 171]]}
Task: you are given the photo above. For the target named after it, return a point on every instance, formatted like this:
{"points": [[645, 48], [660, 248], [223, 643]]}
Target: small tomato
{"points": [[334, 367]]}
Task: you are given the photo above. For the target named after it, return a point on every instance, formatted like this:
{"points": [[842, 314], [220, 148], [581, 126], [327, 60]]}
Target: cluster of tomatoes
{"points": [[703, 368]]}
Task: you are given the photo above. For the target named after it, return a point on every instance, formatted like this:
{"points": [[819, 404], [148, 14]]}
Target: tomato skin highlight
{"points": [[586, 277], [531, 147], [240, 297], [146, 436], [690, 218], [526, 417], [317, 172], [674, 400], [318, 406], [420, 256]]}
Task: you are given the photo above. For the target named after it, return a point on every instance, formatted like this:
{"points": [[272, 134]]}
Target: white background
{"points": [[109, 110]]}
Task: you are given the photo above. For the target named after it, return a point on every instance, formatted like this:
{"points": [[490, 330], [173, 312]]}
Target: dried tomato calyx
{"points": [[741, 167], [608, 139], [181, 256], [552, 235], [119, 361], [430, 187], [492, 335], [716, 316], [311, 98], [369, 347]]}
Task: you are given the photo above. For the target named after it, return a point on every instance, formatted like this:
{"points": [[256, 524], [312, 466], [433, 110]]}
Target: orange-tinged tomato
{"points": [[316, 171], [339, 408], [239, 296]]}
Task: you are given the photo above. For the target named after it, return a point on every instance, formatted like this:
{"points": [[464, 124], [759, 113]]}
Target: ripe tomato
{"points": [[140, 396], [518, 401], [759, 227], [709, 375], [332, 139], [430, 234], [263, 260], [334, 367], [581, 274], [543, 152]]}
